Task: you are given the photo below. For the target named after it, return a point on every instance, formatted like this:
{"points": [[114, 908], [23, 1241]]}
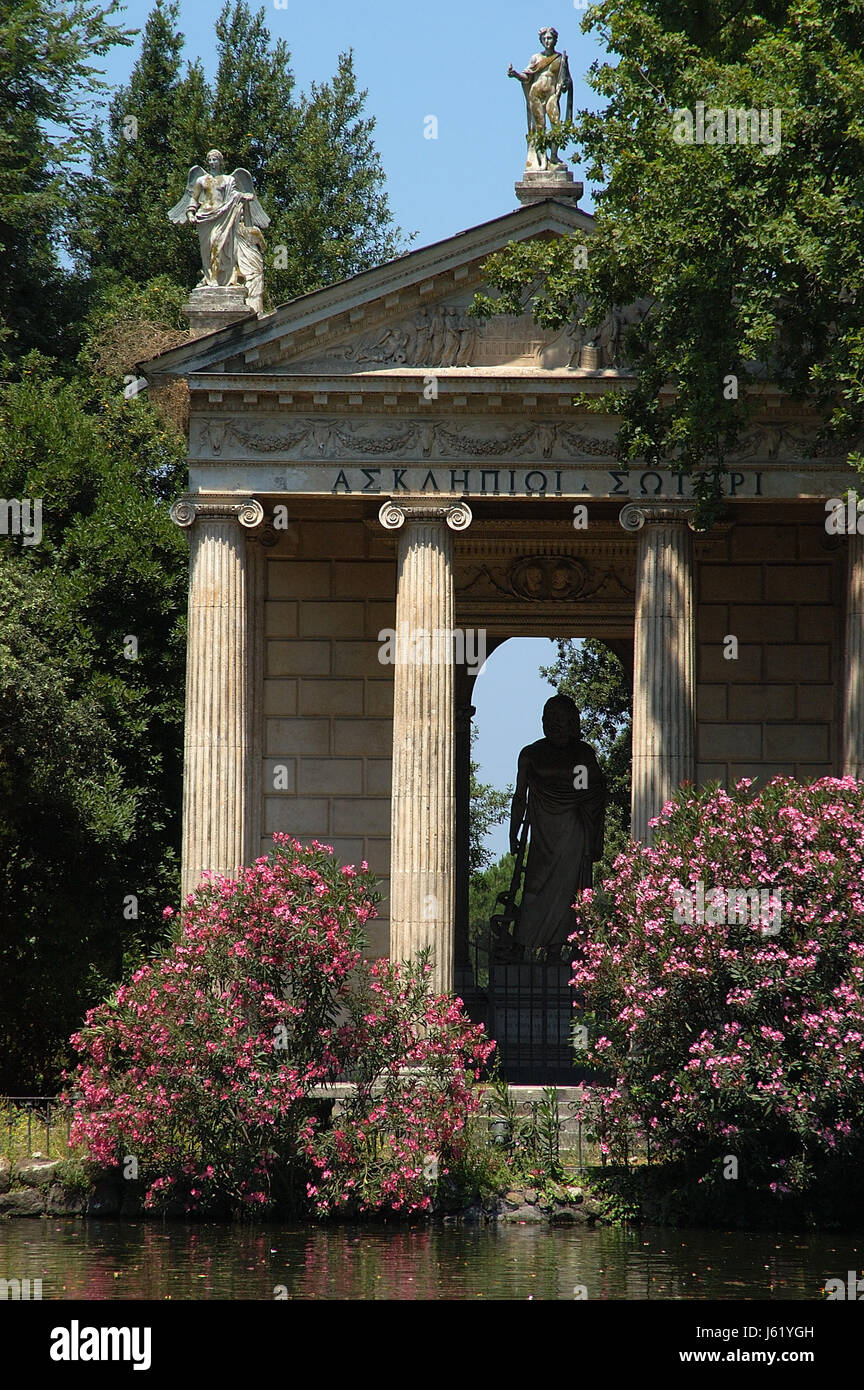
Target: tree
{"points": [[140, 160], [340, 222], [255, 109], [66, 818], [312, 159], [92, 659], [594, 677], [47, 78], [488, 808], [485, 878], [744, 257], [484, 888]]}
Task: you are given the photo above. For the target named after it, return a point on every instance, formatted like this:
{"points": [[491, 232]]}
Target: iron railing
{"points": [[527, 1008], [45, 1118]]}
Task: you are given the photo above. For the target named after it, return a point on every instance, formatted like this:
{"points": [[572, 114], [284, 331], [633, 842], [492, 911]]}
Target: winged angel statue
{"points": [[229, 219]]}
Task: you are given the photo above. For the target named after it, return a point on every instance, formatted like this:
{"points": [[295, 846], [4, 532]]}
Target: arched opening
{"points": [[527, 1003]]}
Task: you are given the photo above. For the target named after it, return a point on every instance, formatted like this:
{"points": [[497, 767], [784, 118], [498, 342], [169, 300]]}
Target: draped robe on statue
{"points": [[228, 218], [566, 836], [216, 222]]}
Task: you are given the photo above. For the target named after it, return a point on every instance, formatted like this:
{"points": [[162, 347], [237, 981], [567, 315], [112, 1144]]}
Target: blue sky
{"points": [[444, 59], [509, 695], [450, 61]]}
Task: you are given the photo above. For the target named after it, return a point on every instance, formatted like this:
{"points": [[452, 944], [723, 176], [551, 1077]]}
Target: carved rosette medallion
{"points": [[555, 577]]}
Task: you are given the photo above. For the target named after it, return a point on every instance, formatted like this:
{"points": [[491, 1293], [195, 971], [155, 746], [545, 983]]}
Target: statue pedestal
{"points": [[211, 307], [537, 184], [530, 1017]]}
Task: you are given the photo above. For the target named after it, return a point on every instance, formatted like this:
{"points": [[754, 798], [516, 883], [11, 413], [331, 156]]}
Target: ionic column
{"points": [[664, 699], [216, 730], [423, 798], [464, 712], [853, 665]]}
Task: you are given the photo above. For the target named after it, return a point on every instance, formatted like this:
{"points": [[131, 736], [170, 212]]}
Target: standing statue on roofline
{"points": [[545, 79], [229, 218]]}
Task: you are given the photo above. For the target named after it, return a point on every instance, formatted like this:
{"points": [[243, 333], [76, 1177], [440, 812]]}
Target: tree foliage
{"points": [[67, 819], [139, 158], [47, 76], [484, 887], [312, 158], [91, 741], [488, 808]]}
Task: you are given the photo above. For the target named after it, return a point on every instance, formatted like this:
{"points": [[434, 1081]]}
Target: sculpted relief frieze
{"points": [[546, 579], [445, 335], [322, 438], [314, 437]]}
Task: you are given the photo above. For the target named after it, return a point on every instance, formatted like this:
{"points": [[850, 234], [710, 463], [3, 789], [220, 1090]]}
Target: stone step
{"points": [[523, 1095]]}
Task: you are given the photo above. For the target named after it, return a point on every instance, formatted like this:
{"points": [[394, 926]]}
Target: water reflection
{"points": [[118, 1260]]}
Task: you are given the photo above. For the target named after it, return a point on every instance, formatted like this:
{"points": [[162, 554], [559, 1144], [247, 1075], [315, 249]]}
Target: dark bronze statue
{"points": [[560, 799]]}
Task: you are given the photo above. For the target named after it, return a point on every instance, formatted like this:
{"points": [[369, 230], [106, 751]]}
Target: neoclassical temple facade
{"points": [[370, 456]]}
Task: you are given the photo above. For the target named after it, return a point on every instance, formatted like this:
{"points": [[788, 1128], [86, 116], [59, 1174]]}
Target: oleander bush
{"points": [[202, 1075], [720, 976]]}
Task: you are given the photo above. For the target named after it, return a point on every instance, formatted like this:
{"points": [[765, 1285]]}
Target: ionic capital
{"points": [[634, 516], [457, 515], [193, 507]]}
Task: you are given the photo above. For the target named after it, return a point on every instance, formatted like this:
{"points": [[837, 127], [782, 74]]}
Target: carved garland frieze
{"points": [[339, 438], [342, 438]]}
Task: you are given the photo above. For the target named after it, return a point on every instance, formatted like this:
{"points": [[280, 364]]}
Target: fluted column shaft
{"points": [[422, 861], [216, 730], [664, 669], [461, 868], [853, 672]]}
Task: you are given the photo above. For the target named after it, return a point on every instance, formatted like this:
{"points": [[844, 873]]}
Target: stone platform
{"points": [[530, 1016], [537, 184]]}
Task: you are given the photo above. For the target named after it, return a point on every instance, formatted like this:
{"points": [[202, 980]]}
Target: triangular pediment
{"points": [[407, 315], [440, 333]]}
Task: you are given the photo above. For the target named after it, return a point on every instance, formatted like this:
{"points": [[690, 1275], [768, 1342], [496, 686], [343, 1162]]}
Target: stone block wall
{"points": [[325, 725], [776, 709], [327, 706]]}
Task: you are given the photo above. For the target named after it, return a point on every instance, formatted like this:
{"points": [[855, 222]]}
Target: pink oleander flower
{"points": [[731, 949], [202, 1063]]}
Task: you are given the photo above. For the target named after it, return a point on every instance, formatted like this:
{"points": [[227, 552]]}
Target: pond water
{"points": [[182, 1261]]}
